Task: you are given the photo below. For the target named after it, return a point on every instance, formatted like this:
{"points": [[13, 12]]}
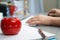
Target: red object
{"points": [[12, 9], [10, 26]]}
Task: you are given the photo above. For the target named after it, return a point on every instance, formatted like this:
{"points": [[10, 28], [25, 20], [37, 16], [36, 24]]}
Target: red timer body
{"points": [[10, 25]]}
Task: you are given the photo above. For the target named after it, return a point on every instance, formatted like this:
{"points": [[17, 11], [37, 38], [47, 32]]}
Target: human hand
{"points": [[54, 13], [39, 19]]}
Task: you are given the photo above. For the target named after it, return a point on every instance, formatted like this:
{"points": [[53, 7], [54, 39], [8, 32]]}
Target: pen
{"points": [[42, 34]]}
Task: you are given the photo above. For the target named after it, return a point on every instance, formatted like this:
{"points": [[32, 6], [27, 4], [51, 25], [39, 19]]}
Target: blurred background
{"points": [[35, 7]]}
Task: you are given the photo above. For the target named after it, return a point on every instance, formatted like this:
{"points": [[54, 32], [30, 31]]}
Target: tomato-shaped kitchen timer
{"points": [[10, 25]]}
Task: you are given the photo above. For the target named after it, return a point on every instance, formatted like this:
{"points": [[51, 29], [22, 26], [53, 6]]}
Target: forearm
{"points": [[55, 21]]}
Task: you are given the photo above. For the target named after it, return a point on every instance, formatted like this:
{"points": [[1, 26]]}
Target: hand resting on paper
{"points": [[53, 19], [40, 20]]}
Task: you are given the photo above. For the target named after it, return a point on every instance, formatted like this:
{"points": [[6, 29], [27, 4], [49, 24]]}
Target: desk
{"points": [[51, 29], [26, 33], [30, 33]]}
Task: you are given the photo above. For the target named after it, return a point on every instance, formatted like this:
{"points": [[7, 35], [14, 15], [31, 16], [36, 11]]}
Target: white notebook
{"points": [[26, 33]]}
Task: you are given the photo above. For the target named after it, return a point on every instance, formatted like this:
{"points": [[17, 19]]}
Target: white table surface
{"points": [[26, 33], [30, 33], [52, 29]]}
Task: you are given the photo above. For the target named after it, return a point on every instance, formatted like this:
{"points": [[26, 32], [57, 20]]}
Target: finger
{"points": [[34, 22], [52, 11], [29, 20], [51, 14], [33, 19]]}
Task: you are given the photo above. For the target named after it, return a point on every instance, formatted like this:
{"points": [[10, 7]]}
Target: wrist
{"points": [[49, 21], [52, 21], [55, 21]]}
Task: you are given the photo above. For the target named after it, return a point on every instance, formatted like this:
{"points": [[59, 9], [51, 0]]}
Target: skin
{"points": [[47, 20], [54, 13], [40, 19], [53, 19]]}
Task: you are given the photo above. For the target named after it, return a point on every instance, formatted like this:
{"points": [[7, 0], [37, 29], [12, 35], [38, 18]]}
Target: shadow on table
{"points": [[36, 39], [2, 36]]}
